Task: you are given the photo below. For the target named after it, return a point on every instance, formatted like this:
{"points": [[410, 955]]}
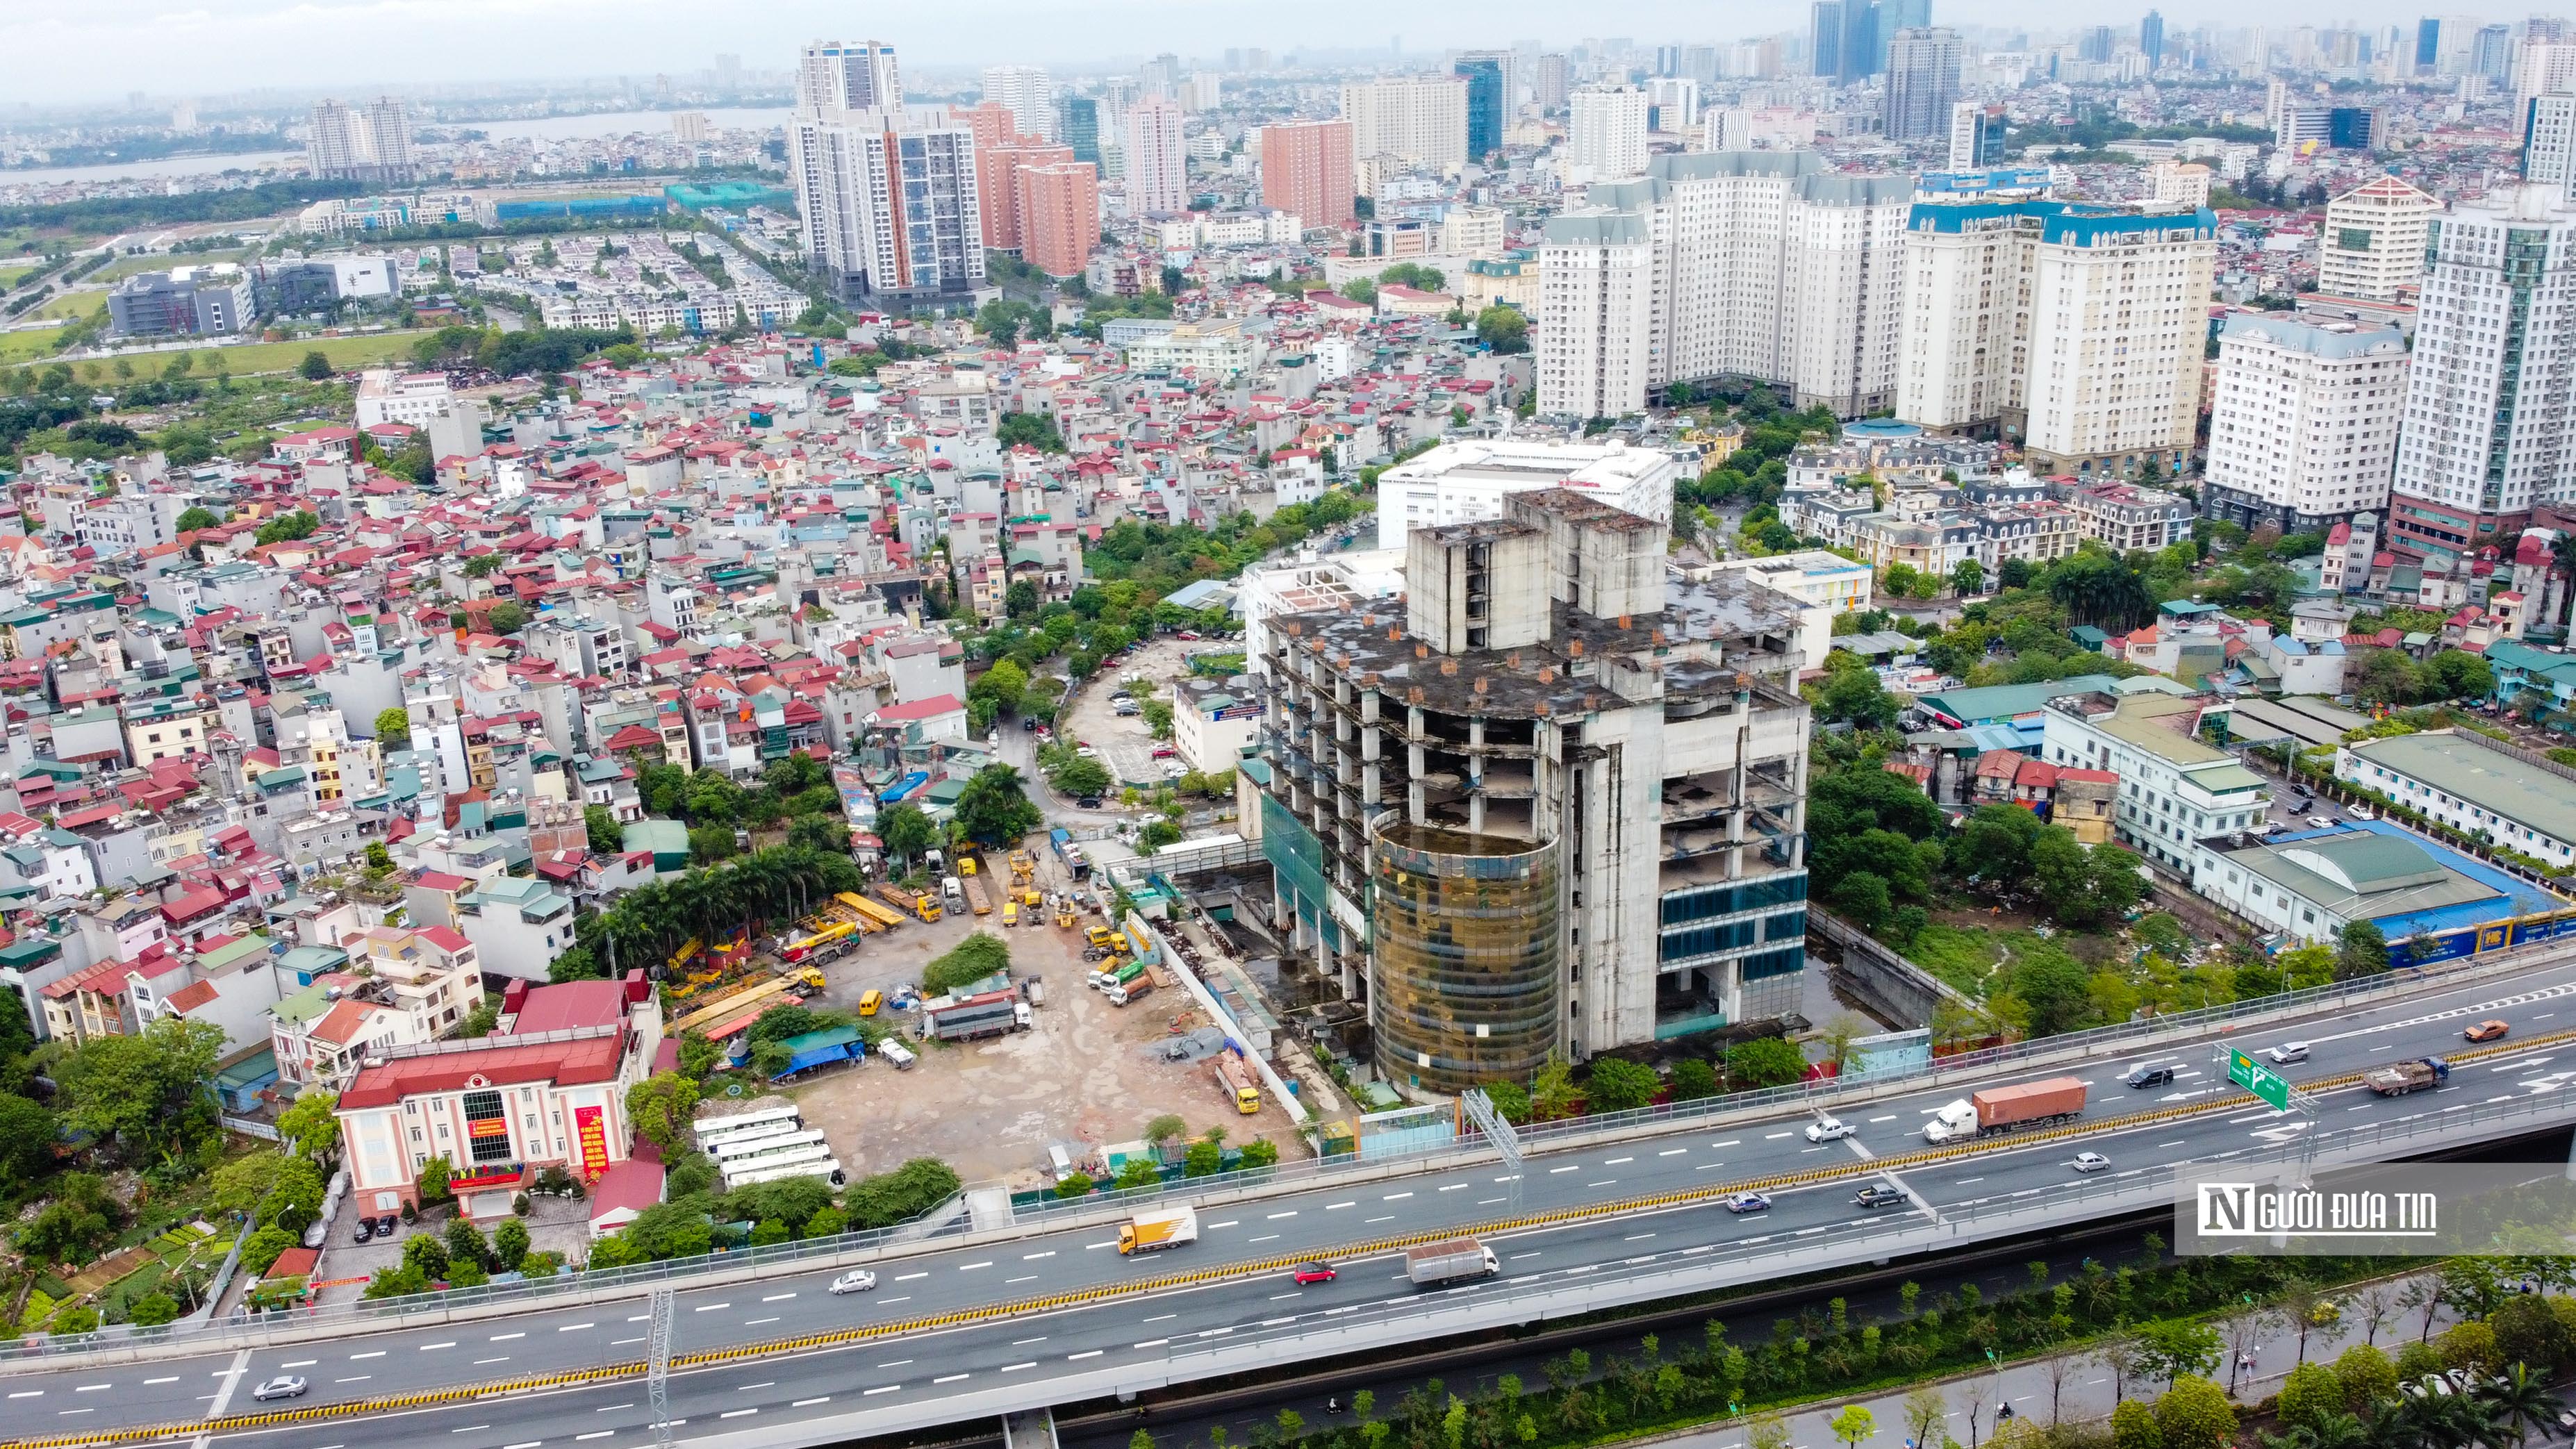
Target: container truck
{"points": [[1238, 1082], [952, 894], [2399, 1078], [1162, 1228], [1449, 1261], [975, 895], [904, 900], [988, 1014], [2007, 1109]]}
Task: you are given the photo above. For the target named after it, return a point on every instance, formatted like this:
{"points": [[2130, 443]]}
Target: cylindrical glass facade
{"points": [[1469, 973]]}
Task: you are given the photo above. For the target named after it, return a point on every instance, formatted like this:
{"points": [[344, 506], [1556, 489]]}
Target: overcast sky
{"points": [[98, 50]]}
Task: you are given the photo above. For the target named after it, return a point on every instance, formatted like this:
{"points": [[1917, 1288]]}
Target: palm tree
{"points": [[2520, 1399], [2334, 1431]]}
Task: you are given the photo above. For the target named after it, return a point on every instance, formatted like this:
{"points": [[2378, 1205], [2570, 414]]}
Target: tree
{"points": [[510, 1244], [1028, 430], [2520, 1397], [288, 528], [431, 1179], [1969, 577], [607, 836], [466, 1244], [193, 519], [1853, 1424], [393, 730], [2310, 1395], [1259, 1152], [1503, 329], [26, 1131], [2360, 951], [265, 1246], [1619, 1085], [2177, 1349], [994, 808], [662, 1106], [980, 955], [2366, 1376], [1552, 1093], [307, 1127], [1765, 1061], [1080, 777], [907, 832], [2133, 1426], [150, 1090], [315, 367], [1692, 1080], [1926, 1411], [1852, 695], [507, 618], [2195, 1414], [2459, 675]]}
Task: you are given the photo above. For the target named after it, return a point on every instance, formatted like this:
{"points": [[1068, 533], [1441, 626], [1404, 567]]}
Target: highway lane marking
{"points": [[67, 1413], [595, 1434], [1451, 1187], [478, 1363], [1615, 1161], [357, 1379], [1159, 1317], [469, 1428], [172, 1379], [809, 1403], [1708, 1167], [1963, 1182], [987, 1263], [1012, 1368], [1639, 1237], [569, 1327], [1103, 1243], [1154, 1343], [524, 1444], [1672, 1152], [1017, 1342], [91, 1388], [1328, 1207], [639, 1318], [776, 1297], [710, 1307], [375, 1353], [502, 1337], [1516, 1257], [2177, 1142], [888, 1389], [1729, 1142], [736, 1413], [1395, 1197], [1577, 1167], [1390, 1217], [756, 1322], [1027, 1257], [763, 1384], [622, 1342], [1605, 1182], [908, 1277], [1490, 1201], [1228, 1223], [952, 1378], [426, 1347], [1032, 1277], [1265, 1237], [1292, 1212], [613, 1408], [1890, 1117], [300, 1363], [28, 1394], [1275, 1297], [1509, 1177], [898, 1363], [1088, 1353], [1773, 1136]]}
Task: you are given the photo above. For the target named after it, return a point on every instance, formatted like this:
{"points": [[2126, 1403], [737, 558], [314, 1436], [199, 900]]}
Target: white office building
{"points": [[410, 398], [369, 143], [2543, 67], [1029, 95], [1420, 118], [889, 200], [2302, 421], [2176, 788], [2074, 327], [1766, 265], [1158, 165], [2488, 431], [1605, 133], [2373, 247], [1467, 482]]}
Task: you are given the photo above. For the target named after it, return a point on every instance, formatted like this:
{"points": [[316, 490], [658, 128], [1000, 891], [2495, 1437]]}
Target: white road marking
{"points": [[756, 1322], [888, 1389], [898, 1363], [373, 1353], [1265, 1237], [1605, 1182], [1395, 1197], [424, 1348], [809, 1403], [1154, 1343], [569, 1327], [300, 1363], [952, 1378], [1032, 1277], [1577, 1167], [1328, 1207], [1012, 1368], [736, 1413], [501, 1337], [1390, 1217], [1027, 1257], [91, 1388], [987, 1263], [908, 1277], [710, 1307], [1229, 1222], [777, 1297], [478, 1363], [595, 1434], [1089, 1353], [1292, 1212], [172, 1379], [1615, 1161], [1672, 1152]]}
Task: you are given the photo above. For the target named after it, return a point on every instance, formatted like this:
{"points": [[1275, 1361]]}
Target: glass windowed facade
{"points": [[1468, 983]]}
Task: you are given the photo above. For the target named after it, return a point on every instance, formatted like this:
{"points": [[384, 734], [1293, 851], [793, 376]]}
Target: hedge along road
{"points": [[956, 1320]]}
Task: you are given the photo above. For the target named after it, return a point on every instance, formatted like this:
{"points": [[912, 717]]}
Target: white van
{"points": [[897, 1053]]}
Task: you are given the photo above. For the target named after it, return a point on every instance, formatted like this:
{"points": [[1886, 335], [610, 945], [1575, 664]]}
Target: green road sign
{"points": [[2262, 1081]]}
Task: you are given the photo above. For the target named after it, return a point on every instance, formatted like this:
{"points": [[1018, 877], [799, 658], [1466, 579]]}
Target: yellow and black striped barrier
{"points": [[1843, 1168]]}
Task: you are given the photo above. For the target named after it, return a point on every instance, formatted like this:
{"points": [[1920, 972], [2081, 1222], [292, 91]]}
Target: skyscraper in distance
{"points": [[1922, 82], [1307, 169], [1158, 174], [1059, 210], [1078, 126], [1025, 90], [860, 75], [1485, 104], [2151, 39], [1977, 135]]}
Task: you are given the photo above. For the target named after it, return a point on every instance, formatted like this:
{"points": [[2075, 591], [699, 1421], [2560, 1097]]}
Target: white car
{"points": [[284, 1386], [1829, 1129], [2089, 1162], [857, 1280], [2321, 822], [2288, 1052], [2361, 812]]}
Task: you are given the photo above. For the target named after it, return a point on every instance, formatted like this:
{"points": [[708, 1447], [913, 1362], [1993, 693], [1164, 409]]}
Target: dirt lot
{"points": [[1089, 1073], [1125, 745]]}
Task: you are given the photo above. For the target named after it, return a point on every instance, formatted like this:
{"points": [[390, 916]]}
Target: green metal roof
{"points": [[2491, 780]]}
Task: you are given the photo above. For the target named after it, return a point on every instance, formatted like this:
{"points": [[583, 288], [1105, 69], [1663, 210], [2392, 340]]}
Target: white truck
{"points": [[954, 892], [1152, 1231], [1449, 1261]]}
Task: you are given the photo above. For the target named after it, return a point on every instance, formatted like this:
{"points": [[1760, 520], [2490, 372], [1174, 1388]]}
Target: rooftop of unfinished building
{"points": [[1716, 636], [1483, 530]]}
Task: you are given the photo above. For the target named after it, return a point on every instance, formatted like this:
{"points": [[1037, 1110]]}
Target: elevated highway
{"points": [[965, 1328]]}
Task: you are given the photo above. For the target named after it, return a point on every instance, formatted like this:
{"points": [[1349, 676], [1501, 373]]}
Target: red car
{"points": [[1315, 1273]]}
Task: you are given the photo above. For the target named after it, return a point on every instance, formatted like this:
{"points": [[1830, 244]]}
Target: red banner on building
{"points": [[593, 1133]]}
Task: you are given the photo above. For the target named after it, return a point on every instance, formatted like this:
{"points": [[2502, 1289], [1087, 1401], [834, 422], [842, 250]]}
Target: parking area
{"points": [[555, 1224], [1126, 746], [1088, 1073]]}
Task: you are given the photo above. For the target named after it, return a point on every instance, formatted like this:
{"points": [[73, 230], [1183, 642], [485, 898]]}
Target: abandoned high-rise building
{"points": [[1552, 799]]}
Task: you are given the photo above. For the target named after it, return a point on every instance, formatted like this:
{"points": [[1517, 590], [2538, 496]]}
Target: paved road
{"points": [[1146, 1327]]}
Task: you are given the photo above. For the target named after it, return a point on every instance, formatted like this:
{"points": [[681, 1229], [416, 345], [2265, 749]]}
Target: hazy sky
{"points": [[57, 51]]}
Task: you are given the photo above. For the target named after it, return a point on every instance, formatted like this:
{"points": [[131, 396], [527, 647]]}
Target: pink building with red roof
{"points": [[548, 1092]]}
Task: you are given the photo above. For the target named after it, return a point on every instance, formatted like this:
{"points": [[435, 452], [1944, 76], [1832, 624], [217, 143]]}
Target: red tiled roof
{"points": [[562, 1063]]}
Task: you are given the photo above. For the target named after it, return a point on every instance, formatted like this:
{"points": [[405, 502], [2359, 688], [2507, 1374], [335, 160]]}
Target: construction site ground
{"points": [[1126, 746], [1089, 1073]]}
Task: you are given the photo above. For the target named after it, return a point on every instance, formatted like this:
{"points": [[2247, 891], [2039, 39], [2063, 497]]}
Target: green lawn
{"points": [[68, 305], [345, 353], [124, 267]]}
